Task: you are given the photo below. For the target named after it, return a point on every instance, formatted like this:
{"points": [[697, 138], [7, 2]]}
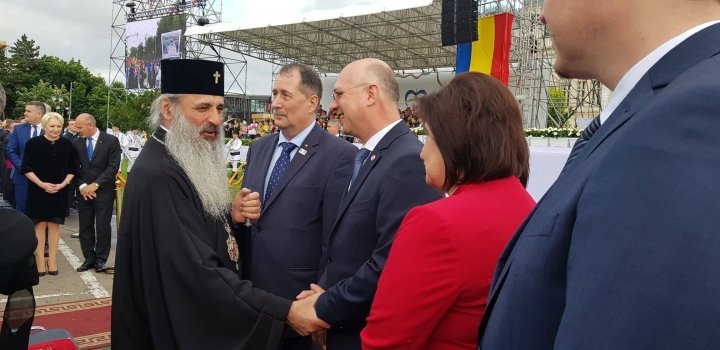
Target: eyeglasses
{"points": [[337, 93]]}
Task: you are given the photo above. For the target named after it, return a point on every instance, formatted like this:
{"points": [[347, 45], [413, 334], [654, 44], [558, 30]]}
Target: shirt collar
{"points": [[633, 76], [299, 139], [375, 139], [96, 135]]}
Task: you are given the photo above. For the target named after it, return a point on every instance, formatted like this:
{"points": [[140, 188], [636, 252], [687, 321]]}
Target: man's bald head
{"points": [[86, 118], [374, 71], [86, 125]]}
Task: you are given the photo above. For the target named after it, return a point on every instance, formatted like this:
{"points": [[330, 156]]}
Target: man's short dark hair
{"points": [[477, 126], [39, 105], [309, 79]]}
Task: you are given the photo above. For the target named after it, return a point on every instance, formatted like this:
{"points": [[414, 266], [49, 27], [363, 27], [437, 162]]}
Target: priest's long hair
{"points": [[203, 161]]}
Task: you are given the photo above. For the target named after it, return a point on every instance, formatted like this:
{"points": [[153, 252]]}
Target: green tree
{"points": [[58, 97], [18, 71], [558, 107]]}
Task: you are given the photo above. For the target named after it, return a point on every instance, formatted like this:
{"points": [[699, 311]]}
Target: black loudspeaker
{"points": [[458, 21]]}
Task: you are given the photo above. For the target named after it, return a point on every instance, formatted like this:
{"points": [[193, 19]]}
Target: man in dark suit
{"points": [[33, 114], [301, 188], [622, 251], [99, 155], [388, 180], [71, 134]]}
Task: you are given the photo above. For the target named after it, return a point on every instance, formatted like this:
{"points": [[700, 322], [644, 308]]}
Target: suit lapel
{"points": [[372, 160], [259, 167], [303, 154], [690, 52]]}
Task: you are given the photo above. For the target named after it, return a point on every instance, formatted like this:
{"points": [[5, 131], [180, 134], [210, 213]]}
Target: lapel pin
{"points": [[302, 151], [372, 158]]}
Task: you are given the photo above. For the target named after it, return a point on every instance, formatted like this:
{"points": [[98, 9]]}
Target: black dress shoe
{"points": [[52, 273], [100, 267], [85, 266]]}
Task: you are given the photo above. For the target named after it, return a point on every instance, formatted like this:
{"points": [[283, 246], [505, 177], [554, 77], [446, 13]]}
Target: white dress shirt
{"points": [[633, 76]]}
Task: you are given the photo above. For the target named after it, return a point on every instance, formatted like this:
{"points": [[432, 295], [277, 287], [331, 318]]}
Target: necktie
{"points": [[583, 140], [360, 157], [279, 168], [34, 131], [89, 148]]}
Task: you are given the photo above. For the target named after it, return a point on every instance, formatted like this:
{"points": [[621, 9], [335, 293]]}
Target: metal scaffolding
{"points": [[196, 12], [545, 98], [409, 41]]}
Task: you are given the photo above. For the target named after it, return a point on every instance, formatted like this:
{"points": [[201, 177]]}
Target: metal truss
{"points": [[409, 41], [195, 11]]}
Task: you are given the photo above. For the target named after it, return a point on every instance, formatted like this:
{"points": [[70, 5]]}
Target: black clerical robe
{"points": [[175, 286]]}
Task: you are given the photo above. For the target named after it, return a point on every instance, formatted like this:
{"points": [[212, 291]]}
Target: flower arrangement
{"points": [[553, 132], [418, 131]]}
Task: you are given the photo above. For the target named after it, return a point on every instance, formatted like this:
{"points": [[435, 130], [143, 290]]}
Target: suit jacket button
{"points": [[329, 259], [259, 228]]}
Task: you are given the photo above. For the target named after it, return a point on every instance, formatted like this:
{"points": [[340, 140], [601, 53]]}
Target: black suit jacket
{"points": [[389, 184], [286, 241], [102, 168]]}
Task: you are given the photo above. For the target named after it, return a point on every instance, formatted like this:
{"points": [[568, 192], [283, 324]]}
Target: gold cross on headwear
{"points": [[216, 76]]}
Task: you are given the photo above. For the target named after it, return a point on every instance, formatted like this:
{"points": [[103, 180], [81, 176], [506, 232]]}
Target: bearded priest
{"points": [[177, 272]]}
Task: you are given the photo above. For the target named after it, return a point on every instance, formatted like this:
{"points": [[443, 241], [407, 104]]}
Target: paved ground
{"points": [[70, 285]]}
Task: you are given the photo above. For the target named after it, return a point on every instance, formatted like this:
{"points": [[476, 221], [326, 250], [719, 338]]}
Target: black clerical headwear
{"points": [[192, 77]]}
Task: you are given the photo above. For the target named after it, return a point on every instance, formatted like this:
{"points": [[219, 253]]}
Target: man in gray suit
{"points": [[622, 251], [301, 174]]}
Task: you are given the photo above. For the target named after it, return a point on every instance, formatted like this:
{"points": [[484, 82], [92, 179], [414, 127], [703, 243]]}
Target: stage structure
{"points": [[126, 14], [409, 40]]}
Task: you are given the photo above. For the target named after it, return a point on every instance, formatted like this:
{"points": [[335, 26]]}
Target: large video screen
{"points": [[147, 42]]}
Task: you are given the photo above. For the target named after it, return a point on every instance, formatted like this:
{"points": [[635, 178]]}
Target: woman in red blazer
{"points": [[433, 290]]}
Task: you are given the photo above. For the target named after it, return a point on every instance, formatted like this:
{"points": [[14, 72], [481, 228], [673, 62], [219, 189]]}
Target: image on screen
{"points": [[147, 42]]}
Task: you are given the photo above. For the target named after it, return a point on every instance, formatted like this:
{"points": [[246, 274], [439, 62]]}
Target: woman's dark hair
{"points": [[477, 125]]}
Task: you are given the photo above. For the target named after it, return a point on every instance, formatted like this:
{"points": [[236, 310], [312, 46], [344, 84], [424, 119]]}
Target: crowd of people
{"points": [[403, 245]]}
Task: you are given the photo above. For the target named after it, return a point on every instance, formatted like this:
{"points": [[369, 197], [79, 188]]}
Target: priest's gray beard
{"points": [[203, 162]]}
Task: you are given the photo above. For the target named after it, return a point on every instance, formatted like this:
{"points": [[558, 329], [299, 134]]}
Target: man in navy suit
{"points": [[33, 114], [301, 190], [99, 155], [622, 251], [388, 180]]}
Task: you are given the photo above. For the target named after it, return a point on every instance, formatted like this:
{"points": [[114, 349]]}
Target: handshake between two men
{"points": [[246, 207]]}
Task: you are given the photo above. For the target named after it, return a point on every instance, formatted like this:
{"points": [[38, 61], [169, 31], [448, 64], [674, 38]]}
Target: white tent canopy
{"points": [[406, 38]]}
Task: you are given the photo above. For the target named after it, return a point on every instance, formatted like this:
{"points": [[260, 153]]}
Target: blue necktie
{"points": [[89, 148], [34, 131], [583, 140], [360, 157], [279, 169]]}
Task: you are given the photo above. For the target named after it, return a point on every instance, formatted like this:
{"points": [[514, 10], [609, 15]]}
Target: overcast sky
{"points": [[81, 29]]}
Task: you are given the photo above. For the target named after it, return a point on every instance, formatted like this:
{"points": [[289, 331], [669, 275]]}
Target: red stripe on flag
{"points": [[501, 53]]}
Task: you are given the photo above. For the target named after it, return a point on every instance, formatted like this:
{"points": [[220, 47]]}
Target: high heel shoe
{"points": [[50, 272], [40, 274]]}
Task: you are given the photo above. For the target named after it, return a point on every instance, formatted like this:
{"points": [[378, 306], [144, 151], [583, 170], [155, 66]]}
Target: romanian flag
{"points": [[490, 54]]}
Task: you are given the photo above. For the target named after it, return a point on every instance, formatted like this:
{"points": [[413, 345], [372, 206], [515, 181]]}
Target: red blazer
{"points": [[434, 288]]}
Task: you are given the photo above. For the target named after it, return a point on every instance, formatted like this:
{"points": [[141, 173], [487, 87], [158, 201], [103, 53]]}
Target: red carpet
{"points": [[88, 321]]}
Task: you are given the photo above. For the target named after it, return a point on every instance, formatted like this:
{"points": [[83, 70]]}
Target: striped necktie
{"points": [[583, 140]]}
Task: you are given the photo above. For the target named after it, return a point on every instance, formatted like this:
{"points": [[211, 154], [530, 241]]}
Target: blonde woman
{"points": [[50, 163]]}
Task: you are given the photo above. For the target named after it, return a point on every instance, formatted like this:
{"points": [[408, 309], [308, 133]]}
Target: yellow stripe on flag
{"points": [[484, 47]]}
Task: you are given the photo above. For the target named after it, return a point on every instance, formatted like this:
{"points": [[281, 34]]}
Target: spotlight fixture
{"points": [[203, 21]]}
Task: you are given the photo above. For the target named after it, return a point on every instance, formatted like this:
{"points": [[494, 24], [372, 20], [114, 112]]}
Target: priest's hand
{"points": [[246, 206], [303, 318]]}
